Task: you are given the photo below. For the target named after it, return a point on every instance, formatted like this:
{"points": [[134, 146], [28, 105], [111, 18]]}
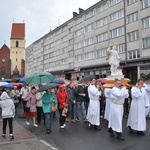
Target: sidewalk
{"points": [[24, 140]]}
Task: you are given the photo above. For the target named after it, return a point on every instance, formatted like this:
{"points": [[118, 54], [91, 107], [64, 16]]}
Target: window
{"points": [[145, 3], [146, 22], [79, 32], [131, 1], [89, 15], [51, 45], [2, 71], [57, 52], [17, 44], [117, 32], [114, 2], [79, 20], [121, 48], [71, 30], [102, 8], [78, 45], [89, 27], [101, 22], [133, 17], [57, 62], [51, 64], [64, 50], [79, 57], [134, 54], [102, 37], [101, 53], [51, 54], [146, 42], [89, 41], [64, 39], [70, 54], [117, 15], [133, 36], [58, 42], [71, 42], [64, 61], [46, 56], [70, 65], [46, 65], [89, 55]]}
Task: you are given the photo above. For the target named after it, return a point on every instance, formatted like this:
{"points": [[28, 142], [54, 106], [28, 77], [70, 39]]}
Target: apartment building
{"points": [[78, 47]]}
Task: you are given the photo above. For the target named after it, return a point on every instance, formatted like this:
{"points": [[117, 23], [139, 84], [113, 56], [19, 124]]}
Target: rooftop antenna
{"points": [[4, 41], [23, 20], [58, 22], [50, 28], [13, 19]]}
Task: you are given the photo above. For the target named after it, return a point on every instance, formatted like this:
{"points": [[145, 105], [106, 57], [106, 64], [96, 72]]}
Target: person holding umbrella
{"points": [[31, 103], [48, 100]]}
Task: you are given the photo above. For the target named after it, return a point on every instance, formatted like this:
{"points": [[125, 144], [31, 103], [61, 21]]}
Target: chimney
{"points": [[75, 14], [81, 10]]}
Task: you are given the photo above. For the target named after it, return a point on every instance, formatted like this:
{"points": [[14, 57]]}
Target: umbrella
{"points": [[58, 81], [6, 80], [9, 86], [40, 77], [16, 84], [22, 80], [47, 86], [3, 83], [103, 80], [88, 78], [15, 79]]}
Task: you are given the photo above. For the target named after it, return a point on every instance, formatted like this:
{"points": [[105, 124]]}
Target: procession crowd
{"points": [[94, 101]]}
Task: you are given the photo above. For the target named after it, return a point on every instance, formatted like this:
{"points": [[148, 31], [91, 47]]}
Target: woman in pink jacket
{"points": [[31, 104]]}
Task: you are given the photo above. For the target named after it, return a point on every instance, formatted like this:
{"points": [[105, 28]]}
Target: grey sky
{"points": [[39, 16]]}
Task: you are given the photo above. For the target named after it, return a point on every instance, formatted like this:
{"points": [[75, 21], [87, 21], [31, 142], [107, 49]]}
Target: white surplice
{"points": [[107, 93], [93, 114], [147, 88], [116, 111], [137, 119]]}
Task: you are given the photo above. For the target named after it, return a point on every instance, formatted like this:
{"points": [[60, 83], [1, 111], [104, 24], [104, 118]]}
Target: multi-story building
{"points": [[78, 47]]}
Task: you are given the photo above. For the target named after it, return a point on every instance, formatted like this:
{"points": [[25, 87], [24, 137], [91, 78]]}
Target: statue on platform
{"points": [[114, 59]]}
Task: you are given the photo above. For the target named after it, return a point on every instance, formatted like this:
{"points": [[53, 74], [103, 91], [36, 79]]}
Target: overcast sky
{"points": [[39, 16]]}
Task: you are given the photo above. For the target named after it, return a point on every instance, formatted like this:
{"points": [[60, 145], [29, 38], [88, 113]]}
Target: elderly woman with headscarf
{"points": [[8, 113]]}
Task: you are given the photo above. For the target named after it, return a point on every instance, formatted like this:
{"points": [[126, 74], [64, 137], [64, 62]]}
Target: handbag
{"points": [[27, 109], [53, 107]]}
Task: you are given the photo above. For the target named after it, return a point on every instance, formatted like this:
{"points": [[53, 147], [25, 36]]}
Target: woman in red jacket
{"points": [[62, 98]]}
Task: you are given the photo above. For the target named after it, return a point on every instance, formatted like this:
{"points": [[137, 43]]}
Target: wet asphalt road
{"points": [[78, 136]]}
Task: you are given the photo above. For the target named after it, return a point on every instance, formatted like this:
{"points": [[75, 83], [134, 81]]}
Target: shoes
{"points": [[73, 120], [35, 125], [62, 127], [27, 123], [85, 120], [111, 132], [11, 136], [77, 119], [120, 138], [97, 127], [3, 136], [67, 119], [140, 133], [130, 129]]}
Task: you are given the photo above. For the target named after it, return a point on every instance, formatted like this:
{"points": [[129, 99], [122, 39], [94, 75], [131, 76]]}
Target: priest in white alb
{"points": [[137, 119], [93, 114], [118, 95]]}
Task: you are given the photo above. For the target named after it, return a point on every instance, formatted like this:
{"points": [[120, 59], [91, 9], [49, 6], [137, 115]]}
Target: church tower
{"points": [[17, 50]]}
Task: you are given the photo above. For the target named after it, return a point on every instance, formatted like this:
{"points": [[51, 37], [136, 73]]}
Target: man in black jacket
{"points": [[80, 100]]}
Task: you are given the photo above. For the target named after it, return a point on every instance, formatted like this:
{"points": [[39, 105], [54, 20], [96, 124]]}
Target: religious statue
{"points": [[114, 59]]}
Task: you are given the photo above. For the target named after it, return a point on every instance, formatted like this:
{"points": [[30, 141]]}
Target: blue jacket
{"points": [[48, 100]]}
